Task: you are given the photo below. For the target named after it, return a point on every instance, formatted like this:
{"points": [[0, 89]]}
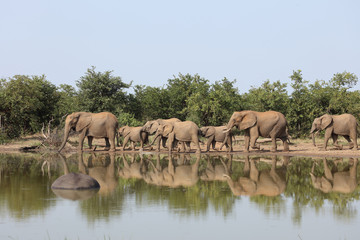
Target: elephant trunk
{"points": [[312, 131], [66, 135], [313, 138], [229, 126]]}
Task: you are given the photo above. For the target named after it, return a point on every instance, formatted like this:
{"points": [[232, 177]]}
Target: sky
{"points": [[149, 42]]}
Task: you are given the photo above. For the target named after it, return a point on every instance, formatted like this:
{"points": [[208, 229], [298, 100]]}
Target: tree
{"points": [[68, 101], [100, 92], [300, 106], [153, 102], [224, 100], [180, 89], [28, 102], [269, 96]]}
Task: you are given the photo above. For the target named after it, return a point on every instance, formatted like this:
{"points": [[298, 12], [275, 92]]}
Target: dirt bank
{"points": [[298, 147]]}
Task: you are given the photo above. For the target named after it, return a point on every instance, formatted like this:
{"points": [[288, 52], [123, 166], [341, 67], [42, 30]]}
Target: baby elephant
{"points": [[134, 135], [217, 134]]}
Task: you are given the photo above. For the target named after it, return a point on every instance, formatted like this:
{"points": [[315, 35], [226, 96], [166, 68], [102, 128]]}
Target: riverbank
{"points": [[298, 147]]}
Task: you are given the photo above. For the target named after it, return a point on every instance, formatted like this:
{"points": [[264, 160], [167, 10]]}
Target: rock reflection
{"points": [[266, 182], [335, 181]]}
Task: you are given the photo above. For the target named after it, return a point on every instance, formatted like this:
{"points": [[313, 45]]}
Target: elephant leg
{"points": [[81, 139], [170, 141], [247, 140], [335, 141], [254, 135], [353, 137], [187, 146], [229, 144], [163, 140], [285, 143], [273, 144], [209, 142], [90, 139], [107, 143], [213, 145], [111, 139], [158, 142], [141, 145], [197, 144], [126, 139], [133, 145], [351, 144], [328, 134]]}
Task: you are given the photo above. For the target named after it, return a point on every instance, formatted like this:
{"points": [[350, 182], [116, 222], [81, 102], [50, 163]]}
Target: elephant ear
{"points": [[167, 129], [209, 131], [83, 122], [248, 121], [326, 120], [126, 131]]}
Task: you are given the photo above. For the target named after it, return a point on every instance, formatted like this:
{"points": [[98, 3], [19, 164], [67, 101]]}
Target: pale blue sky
{"points": [[148, 42]]}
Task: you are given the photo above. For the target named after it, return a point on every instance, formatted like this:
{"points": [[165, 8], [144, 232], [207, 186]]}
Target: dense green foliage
{"points": [[30, 101]]}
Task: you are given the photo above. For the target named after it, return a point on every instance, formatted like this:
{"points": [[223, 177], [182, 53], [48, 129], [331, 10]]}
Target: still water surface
{"points": [[180, 196]]}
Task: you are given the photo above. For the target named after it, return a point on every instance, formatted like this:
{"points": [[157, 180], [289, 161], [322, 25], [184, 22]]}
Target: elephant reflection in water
{"points": [[217, 172], [173, 176], [133, 169], [341, 182], [104, 174], [267, 182]]}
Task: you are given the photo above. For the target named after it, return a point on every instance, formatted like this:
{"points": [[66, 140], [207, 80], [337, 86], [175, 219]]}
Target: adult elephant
{"points": [[334, 125], [98, 125], [217, 134], [268, 124], [341, 182], [152, 126], [266, 182], [134, 135], [186, 131]]}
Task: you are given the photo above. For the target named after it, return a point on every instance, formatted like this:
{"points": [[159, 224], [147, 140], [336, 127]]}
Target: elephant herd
{"points": [[173, 133]]}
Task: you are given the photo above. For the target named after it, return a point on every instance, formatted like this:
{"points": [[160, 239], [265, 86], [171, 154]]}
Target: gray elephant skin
{"points": [[340, 182], [186, 131], [268, 124], [334, 125], [134, 135], [91, 125], [217, 134], [152, 126]]}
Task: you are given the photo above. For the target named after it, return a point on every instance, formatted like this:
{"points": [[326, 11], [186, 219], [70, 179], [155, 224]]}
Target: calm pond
{"points": [[180, 196]]}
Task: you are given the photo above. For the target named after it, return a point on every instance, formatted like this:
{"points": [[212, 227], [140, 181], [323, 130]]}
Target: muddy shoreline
{"points": [[299, 147]]}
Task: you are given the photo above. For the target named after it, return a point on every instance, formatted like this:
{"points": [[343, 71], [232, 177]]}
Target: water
{"points": [[181, 197]]}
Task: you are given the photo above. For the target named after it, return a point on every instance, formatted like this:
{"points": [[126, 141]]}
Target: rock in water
{"points": [[75, 181]]}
